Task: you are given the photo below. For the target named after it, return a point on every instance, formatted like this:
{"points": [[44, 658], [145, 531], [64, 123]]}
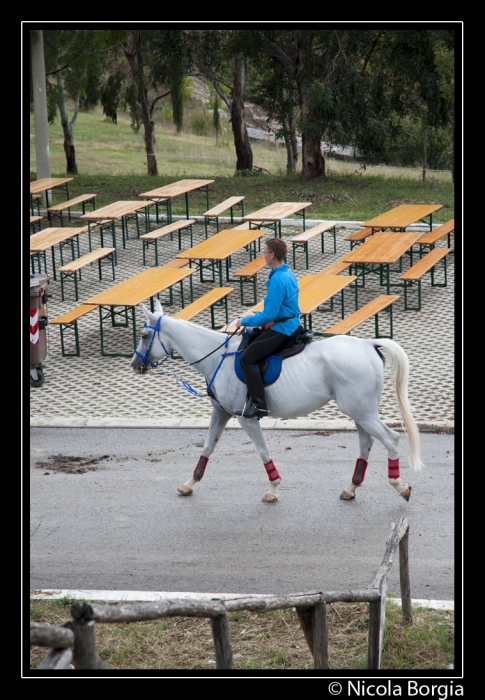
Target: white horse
{"points": [[347, 369]]}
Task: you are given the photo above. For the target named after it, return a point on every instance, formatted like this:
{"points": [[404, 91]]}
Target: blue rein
{"points": [[181, 382]]}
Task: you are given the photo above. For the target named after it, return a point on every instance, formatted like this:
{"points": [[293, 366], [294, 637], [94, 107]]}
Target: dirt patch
{"points": [[71, 465]]}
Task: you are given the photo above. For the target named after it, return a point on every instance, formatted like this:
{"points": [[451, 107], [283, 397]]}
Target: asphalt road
{"points": [[105, 513]]}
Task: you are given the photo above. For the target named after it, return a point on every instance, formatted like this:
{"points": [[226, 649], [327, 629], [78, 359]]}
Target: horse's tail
{"points": [[400, 367]]}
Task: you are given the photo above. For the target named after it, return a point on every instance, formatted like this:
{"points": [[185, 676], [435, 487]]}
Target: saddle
{"points": [[270, 367]]}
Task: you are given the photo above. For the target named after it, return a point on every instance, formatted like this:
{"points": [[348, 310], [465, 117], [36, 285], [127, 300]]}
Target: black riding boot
{"points": [[256, 404]]}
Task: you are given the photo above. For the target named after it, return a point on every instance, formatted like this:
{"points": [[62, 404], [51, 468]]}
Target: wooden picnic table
{"points": [[384, 248], [47, 239], [399, 218], [44, 184], [130, 293], [169, 192], [274, 214], [220, 247], [108, 215], [315, 291]]}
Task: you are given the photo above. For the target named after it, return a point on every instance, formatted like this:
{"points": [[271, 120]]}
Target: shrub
{"points": [[201, 123]]}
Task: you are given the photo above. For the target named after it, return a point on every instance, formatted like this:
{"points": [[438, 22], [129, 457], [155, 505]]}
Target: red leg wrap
{"points": [[359, 472], [393, 468], [200, 468], [271, 471]]}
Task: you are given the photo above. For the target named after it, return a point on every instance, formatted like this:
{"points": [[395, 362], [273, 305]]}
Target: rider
{"points": [[279, 319]]}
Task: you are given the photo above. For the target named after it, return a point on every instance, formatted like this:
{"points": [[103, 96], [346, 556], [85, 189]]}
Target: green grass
{"points": [[271, 641], [111, 162]]}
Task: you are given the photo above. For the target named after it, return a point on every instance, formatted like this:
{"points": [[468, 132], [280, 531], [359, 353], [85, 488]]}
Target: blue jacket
{"points": [[281, 301]]}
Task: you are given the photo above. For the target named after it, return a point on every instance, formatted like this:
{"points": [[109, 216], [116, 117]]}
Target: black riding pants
{"points": [[266, 343]]}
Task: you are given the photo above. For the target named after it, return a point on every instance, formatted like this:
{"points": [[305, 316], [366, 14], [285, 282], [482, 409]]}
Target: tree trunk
{"points": [[313, 162], [291, 144], [67, 126], [135, 59], [42, 155], [244, 151]]}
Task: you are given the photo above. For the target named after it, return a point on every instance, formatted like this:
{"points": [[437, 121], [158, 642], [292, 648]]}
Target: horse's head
{"points": [[151, 347]]}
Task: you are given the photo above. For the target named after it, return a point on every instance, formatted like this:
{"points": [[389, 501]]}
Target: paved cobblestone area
{"points": [[96, 387]]}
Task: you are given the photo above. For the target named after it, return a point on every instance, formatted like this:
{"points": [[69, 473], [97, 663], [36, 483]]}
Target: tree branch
{"points": [[152, 106], [277, 54], [73, 58], [371, 51]]}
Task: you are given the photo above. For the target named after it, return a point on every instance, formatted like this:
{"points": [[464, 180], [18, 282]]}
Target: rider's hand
{"points": [[238, 322]]}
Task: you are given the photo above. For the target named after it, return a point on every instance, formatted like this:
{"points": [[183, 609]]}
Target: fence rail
{"points": [[72, 645]]}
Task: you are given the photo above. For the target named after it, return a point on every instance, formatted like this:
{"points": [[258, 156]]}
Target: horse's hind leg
{"points": [[365, 443], [389, 439], [253, 429], [218, 421]]}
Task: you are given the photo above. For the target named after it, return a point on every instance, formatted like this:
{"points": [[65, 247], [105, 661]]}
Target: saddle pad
{"points": [[270, 367]]}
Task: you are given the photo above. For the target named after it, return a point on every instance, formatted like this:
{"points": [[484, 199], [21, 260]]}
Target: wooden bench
{"points": [[69, 321], [429, 239], [249, 273], [359, 236], [212, 215], [36, 223], [75, 266], [416, 272], [373, 308], [58, 209], [153, 237], [301, 241], [204, 302]]}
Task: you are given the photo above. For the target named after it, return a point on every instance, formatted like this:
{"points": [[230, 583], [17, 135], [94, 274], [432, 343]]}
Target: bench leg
{"points": [[63, 327], [389, 312], [407, 285], [439, 284]]}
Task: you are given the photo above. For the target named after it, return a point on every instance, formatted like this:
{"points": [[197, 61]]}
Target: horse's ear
{"points": [[147, 312], [158, 307]]}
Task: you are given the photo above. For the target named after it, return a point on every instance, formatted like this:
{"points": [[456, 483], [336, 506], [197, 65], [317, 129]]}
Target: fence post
{"points": [[375, 608], [305, 619], [222, 641], [84, 654], [320, 635], [407, 614]]}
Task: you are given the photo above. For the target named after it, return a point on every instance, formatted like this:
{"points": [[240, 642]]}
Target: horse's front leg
{"points": [[253, 429], [218, 421]]}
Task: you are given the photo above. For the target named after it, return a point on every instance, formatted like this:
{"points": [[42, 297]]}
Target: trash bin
{"points": [[38, 321]]}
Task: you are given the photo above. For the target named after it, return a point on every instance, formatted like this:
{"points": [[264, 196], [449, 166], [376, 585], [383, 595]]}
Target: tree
{"points": [[349, 82], [156, 59], [301, 70], [74, 60], [221, 57], [274, 89]]}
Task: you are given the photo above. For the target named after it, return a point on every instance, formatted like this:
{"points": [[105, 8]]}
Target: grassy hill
{"points": [[111, 162]]}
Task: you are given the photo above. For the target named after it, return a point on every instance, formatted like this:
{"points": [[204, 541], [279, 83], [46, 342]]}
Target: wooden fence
{"points": [[72, 645]]}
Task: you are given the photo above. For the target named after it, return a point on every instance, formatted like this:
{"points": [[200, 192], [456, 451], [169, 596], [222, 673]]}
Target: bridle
{"points": [[156, 331]]}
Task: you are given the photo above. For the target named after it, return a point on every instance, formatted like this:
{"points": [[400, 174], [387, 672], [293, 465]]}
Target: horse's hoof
{"points": [[406, 494], [346, 496], [269, 498], [185, 491]]}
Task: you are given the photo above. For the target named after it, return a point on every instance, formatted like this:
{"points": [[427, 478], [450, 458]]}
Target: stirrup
{"points": [[252, 412]]}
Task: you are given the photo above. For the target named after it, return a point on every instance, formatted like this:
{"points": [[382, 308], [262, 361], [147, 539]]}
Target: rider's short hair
{"points": [[278, 247]]}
